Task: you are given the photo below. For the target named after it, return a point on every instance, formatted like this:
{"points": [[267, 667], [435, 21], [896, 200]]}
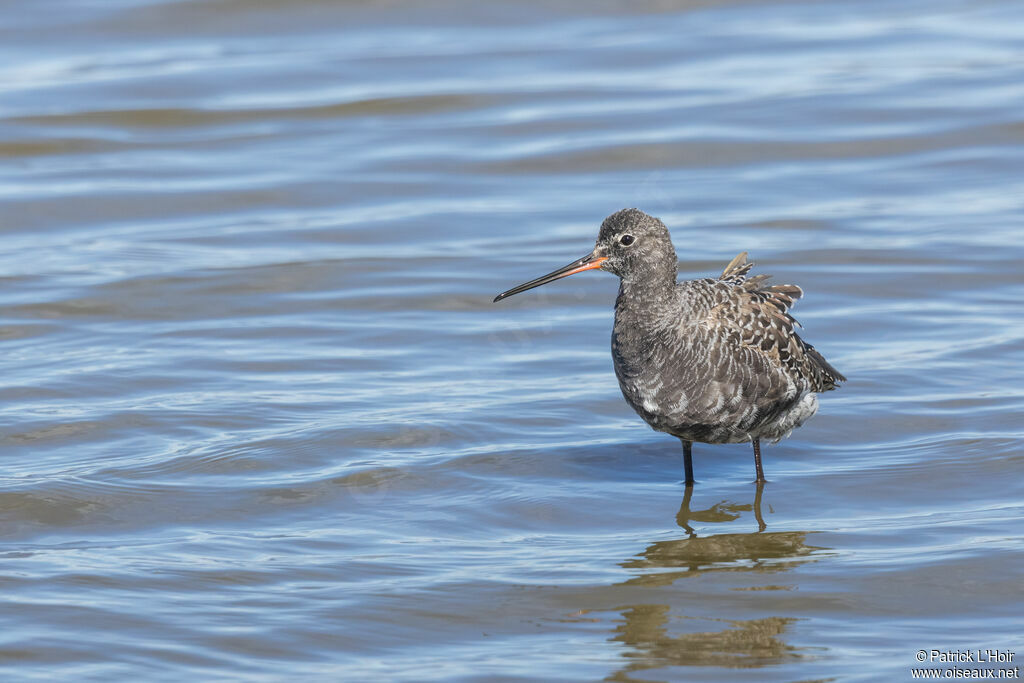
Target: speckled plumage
{"points": [[714, 360]]}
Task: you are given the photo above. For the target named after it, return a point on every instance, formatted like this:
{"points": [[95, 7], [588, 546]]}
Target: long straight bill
{"points": [[588, 262]]}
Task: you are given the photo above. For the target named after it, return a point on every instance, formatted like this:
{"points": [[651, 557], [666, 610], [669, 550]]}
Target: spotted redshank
{"points": [[714, 360]]}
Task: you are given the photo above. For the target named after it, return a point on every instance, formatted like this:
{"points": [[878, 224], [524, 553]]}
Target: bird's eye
{"points": [[626, 240]]}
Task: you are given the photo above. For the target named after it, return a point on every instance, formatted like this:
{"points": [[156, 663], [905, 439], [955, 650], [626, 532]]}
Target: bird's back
{"points": [[727, 366], [753, 314]]}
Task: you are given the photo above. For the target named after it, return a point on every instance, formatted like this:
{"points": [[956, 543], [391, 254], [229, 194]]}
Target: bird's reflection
{"points": [[654, 634], [684, 624]]}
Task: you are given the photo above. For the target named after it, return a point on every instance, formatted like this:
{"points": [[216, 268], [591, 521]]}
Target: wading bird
{"points": [[714, 360]]}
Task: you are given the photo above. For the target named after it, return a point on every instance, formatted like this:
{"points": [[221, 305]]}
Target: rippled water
{"points": [[260, 418]]}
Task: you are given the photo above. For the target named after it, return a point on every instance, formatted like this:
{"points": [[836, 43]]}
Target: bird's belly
{"points": [[679, 386], [716, 414]]}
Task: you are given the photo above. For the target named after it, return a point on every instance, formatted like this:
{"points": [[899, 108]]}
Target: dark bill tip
{"points": [[588, 262]]}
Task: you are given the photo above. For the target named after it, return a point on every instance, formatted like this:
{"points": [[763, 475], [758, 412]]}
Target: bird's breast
{"points": [[684, 381], [652, 367]]}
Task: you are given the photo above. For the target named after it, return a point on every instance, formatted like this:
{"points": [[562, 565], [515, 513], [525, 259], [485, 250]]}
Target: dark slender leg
{"points": [[757, 461], [761, 526], [688, 461]]}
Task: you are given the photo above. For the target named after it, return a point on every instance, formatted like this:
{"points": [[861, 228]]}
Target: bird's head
{"points": [[631, 244], [636, 246]]}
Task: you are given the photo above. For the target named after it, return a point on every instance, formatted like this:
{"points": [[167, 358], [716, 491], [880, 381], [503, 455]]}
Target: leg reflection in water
{"points": [[719, 512], [688, 613]]}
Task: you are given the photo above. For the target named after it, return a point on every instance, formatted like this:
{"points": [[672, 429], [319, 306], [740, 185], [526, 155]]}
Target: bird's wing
{"points": [[781, 297], [751, 314]]}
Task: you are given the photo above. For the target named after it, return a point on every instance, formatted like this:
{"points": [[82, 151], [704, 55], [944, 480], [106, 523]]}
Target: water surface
{"points": [[259, 418]]}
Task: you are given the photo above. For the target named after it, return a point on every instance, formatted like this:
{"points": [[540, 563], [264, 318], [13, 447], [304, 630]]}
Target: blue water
{"points": [[261, 420]]}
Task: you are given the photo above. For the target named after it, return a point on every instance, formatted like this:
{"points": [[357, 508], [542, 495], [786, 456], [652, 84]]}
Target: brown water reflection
{"points": [[743, 644], [720, 512], [663, 635], [758, 551]]}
